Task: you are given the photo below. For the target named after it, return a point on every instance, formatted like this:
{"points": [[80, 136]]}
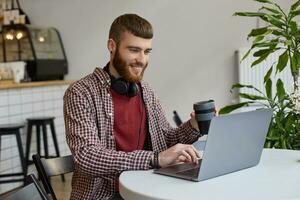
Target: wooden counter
{"points": [[34, 84]]}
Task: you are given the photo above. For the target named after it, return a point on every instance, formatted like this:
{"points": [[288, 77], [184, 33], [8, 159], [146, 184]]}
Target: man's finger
{"points": [[186, 155], [192, 153], [181, 159], [197, 152]]}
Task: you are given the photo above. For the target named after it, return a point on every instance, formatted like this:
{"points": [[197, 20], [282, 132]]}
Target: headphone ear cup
{"points": [[120, 86], [133, 90]]}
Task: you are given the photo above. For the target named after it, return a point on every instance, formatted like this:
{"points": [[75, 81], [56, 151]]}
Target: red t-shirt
{"points": [[130, 125]]}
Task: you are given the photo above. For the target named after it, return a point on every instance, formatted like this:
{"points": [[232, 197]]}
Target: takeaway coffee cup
{"points": [[204, 111]]}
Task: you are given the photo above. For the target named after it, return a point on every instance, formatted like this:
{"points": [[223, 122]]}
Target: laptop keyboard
{"points": [[190, 172], [183, 167]]}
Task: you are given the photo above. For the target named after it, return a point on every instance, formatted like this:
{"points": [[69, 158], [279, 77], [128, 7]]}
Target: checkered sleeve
{"points": [[90, 153], [183, 134]]}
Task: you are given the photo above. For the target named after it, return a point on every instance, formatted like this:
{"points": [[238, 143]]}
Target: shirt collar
{"points": [[102, 76]]}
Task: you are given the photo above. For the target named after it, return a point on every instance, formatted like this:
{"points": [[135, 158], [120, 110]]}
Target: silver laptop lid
{"points": [[234, 142]]}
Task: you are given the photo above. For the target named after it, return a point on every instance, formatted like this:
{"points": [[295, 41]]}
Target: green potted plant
{"points": [[281, 33]]}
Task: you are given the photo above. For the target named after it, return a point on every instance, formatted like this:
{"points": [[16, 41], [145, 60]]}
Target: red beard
{"points": [[123, 68]]}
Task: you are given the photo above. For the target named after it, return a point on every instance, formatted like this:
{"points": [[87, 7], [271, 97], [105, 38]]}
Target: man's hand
{"points": [[194, 122], [178, 153]]}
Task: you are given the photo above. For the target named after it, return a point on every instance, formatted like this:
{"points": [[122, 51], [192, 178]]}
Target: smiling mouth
{"points": [[136, 69], [136, 66]]}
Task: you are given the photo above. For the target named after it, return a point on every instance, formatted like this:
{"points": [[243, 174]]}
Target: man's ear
{"points": [[111, 45]]}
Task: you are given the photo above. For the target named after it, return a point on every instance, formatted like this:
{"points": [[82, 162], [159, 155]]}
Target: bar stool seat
{"points": [[14, 129], [39, 122], [40, 119]]}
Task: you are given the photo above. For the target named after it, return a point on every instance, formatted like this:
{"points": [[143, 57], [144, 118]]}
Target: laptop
{"points": [[234, 142]]}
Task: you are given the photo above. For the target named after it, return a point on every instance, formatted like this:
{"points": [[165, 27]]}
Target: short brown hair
{"points": [[132, 23]]}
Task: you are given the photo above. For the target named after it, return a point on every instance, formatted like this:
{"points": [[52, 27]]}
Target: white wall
{"points": [[193, 50]]}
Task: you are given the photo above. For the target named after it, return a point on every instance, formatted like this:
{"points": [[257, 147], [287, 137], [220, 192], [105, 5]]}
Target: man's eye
{"points": [[147, 52], [134, 50]]}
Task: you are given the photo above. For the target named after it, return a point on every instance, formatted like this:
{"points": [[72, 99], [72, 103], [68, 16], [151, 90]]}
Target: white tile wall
{"points": [[18, 104]]}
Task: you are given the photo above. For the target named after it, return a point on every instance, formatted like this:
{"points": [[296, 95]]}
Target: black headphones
{"points": [[122, 86]]}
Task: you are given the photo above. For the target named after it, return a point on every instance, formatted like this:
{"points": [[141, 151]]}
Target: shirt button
{"points": [[108, 95], [110, 114]]}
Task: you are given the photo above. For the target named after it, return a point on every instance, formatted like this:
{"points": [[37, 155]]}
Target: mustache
{"points": [[138, 64]]}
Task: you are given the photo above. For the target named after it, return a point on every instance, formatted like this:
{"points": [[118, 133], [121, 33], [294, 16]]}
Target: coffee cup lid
{"points": [[204, 105]]}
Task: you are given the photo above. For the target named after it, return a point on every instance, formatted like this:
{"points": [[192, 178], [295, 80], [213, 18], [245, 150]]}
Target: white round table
{"points": [[276, 177]]}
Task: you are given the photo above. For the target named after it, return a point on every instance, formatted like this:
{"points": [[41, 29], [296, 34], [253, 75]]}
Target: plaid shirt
{"points": [[89, 119]]}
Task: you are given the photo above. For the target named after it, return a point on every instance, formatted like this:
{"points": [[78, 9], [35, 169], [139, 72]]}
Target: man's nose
{"points": [[141, 58]]}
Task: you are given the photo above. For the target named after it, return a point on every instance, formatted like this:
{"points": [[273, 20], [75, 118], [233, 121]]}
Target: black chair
{"points": [[40, 122], [176, 118], [31, 191], [52, 167], [14, 129]]}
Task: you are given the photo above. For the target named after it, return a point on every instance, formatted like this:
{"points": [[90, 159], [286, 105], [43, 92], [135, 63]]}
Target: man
{"points": [[114, 122]]}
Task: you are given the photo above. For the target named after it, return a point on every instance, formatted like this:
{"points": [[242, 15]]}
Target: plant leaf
{"points": [[293, 64], [276, 145], [283, 143], [263, 1], [230, 108], [282, 61], [280, 90], [295, 5], [251, 96], [288, 43], [260, 59], [268, 87], [258, 31], [297, 35], [246, 55], [263, 51], [238, 85], [268, 74], [274, 138], [271, 10], [294, 28], [259, 38], [295, 61], [266, 44], [295, 13], [249, 14], [267, 144], [289, 122], [278, 33], [275, 21], [297, 146]]}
